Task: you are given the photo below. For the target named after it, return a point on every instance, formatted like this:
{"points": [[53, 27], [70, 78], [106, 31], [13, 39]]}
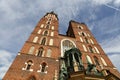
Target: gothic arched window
{"points": [[42, 25], [49, 19], [84, 47], [88, 59], [35, 39], [96, 60], [83, 33], [40, 52], [66, 45], [43, 41], [43, 67], [52, 34], [91, 41], [86, 40], [52, 27], [51, 42], [80, 27], [96, 49], [31, 50], [103, 61], [49, 53], [48, 22], [91, 49], [39, 31], [29, 64], [81, 39], [45, 33]]}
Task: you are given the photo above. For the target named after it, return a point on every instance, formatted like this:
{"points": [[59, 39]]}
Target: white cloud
{"points": [[111, 45], [113, 3], [6, 59], [109, 26], [12, 38], [18, 18], [117, 3], [115, 58], [9, 11], [15, 12], [101, 2], [111, 23]]}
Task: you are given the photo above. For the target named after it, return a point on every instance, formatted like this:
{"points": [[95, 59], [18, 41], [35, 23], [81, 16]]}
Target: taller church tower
{"points": [[48, 55], [38, 58]]}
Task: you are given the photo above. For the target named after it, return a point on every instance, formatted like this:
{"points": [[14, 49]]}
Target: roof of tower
{"points": [[77, 22], [52, 12]]}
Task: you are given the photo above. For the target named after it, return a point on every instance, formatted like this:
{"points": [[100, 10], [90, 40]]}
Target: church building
{"points": [[48, 55]]}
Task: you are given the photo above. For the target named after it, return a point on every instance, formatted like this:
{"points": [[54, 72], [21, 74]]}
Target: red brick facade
{"points": [[46, 49]]}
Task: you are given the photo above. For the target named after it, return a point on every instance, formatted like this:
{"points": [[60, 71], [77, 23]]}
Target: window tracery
{"points": [[66, 45]]}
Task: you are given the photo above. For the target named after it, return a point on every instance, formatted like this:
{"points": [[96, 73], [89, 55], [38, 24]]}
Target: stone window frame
{"points": [[41, 67], [29, 64]]}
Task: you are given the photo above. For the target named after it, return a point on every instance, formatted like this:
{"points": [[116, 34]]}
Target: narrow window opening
{"points": [[40, 52], [29, 64], [45, 33], [83, 34], [51, 42], [47, 26], [52, 27], [43, 67], [80, 27], [103, 61], [96, 60], [42, 25], [39, 31], [96, 49], [84, 47], [86, 40], [49, 19], [90, 49], [43, 41], [48, 22], [88, 59]]}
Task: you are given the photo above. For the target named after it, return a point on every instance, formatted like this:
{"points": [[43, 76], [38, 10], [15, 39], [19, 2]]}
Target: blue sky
{"points": [[19, 17]]}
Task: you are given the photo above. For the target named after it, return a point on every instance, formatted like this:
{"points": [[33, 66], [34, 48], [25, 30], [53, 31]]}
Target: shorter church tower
{"points": [[48, 55]]}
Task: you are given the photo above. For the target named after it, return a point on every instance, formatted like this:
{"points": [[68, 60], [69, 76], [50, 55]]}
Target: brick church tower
{"points": [[48, 55]]}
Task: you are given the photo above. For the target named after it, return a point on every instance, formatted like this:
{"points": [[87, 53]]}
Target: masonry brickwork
{"points": [[42, 57]]}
